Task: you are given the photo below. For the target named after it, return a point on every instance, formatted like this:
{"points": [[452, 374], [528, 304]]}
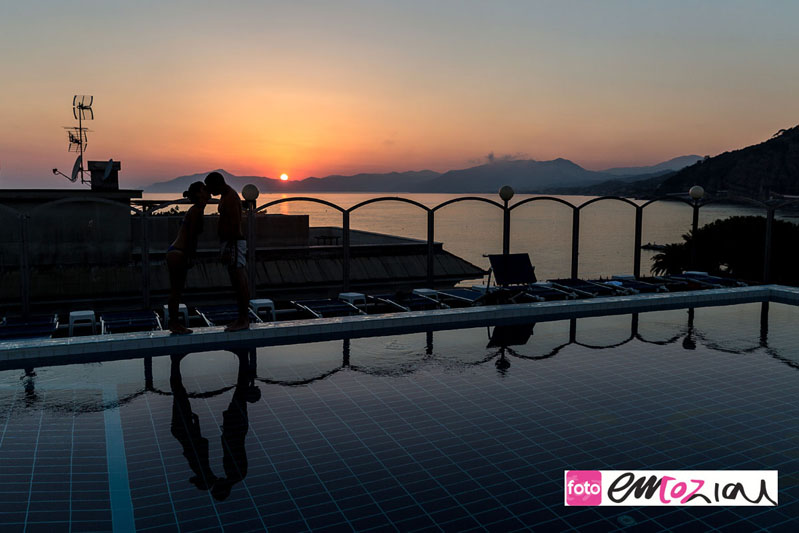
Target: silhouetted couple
{"points": [[233, 248], [235, 424]]}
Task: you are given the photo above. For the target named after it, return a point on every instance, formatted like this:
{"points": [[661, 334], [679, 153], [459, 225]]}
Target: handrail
{"points": [[467, 198], [299, 199], [543, 198], [602, 198], [83, 199], [388, 199]]}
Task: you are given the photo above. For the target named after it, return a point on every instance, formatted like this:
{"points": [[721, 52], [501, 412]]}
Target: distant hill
{"points": [[672, 164], [390, 182], [523, 175], [627, 186], [178, 185], [755, 171]]}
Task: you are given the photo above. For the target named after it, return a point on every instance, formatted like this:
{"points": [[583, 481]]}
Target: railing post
{"points": [[345, 248], [24, 266], [251, 248], [431, 226], [145, 258], [575, 241], [767, 251], [506, 229], [639, 212], [694, 228]]}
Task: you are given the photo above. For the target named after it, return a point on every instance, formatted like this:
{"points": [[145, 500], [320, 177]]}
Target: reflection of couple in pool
{"points": [[235, 424]]}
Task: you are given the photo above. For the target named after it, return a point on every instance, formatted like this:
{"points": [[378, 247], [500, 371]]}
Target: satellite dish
{"points": [[76, 168], [108, 167]]}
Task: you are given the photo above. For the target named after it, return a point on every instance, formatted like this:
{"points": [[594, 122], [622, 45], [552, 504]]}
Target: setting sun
{"points": [[284, 177]]}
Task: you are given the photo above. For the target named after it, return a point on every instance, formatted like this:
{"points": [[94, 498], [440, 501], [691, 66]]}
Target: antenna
{"points": [[78, 141], [76, 168]]}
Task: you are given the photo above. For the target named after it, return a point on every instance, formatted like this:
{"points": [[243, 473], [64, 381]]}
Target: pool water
{"points": [[444, 430]]}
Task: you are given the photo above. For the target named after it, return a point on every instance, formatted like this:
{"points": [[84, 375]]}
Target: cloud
{"points": [[491, 158]]}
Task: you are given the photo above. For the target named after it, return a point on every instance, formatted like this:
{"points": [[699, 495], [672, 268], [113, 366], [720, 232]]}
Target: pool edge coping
{"points": [[129, 345]]}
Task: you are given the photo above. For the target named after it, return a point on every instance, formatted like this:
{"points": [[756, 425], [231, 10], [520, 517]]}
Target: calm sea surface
{"points": [[542, 229]]}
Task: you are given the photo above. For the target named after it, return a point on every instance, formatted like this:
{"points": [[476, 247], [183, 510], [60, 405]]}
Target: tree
{"points": [[736, 246]]}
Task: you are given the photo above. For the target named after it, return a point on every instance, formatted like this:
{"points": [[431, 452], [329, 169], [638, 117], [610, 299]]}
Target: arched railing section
{"points": [[146, 211], [25, 289], [575, 226], [430, 234]]}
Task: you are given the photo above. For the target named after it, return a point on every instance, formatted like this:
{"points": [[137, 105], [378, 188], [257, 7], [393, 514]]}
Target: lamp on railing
{"points": [[506, 193], [250, 193], [696, 193]]}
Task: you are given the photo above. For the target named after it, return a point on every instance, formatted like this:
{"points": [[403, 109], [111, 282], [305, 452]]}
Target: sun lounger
{"points": [[221, 315], [674, 285], [718, 281], [125, 321], [547, 292], [407, 301], [517, 282], [629, 282], [43, 326], [586, 289], [461, 297], [327, 307]]}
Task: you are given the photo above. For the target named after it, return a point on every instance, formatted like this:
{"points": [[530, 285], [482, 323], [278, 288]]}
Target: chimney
{"points": [[103, 177]]}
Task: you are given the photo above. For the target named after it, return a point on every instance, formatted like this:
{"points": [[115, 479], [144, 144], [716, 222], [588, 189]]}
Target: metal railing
{"points": [[148, 211]]}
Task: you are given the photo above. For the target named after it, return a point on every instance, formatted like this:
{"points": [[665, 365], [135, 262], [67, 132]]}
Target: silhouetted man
{"points": [[233, 246], [235, 424]]}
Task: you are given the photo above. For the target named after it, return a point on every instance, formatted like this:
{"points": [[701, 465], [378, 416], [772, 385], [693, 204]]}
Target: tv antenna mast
{"points": [[78, 141]]}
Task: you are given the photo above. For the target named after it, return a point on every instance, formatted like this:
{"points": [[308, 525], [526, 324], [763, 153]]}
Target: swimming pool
{"points": [[454, 430]]}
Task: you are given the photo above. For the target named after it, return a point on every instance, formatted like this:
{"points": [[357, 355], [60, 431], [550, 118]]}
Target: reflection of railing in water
{"points": [[148, 210], [688, 335]]}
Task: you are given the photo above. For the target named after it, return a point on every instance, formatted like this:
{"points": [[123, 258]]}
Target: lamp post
{"points": [[696, 193], [506, 193], [250, 193]]}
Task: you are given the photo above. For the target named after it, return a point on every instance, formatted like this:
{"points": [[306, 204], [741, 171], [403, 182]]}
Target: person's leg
{"points": [[243, 292], [178, 267], [238, 278]]}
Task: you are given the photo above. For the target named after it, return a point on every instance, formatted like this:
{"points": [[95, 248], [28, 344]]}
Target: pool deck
{"points": [[38, 352]]}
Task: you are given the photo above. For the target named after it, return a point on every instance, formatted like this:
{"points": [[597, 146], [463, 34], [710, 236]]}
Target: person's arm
{"points": [[193, 228]]}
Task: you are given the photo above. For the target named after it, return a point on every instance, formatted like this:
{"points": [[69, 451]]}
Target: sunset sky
{"points": [[318, 88]]}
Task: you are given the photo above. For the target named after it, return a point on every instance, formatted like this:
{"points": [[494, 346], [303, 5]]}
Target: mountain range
{"points": [[760, 171], [757, 171], [524, 175]]}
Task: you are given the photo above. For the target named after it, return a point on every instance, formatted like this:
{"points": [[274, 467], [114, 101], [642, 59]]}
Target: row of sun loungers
{"points": [[516, 282]]}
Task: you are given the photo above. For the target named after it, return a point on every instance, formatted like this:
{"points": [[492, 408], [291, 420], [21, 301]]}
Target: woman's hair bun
{"points": [[185, 194]]}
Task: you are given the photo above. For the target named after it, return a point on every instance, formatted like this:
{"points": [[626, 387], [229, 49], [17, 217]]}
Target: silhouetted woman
{"points": [[180, 254], [186, 429]]}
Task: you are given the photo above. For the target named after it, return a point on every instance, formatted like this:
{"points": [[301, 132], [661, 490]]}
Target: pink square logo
{"points": [[583, 487]]}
